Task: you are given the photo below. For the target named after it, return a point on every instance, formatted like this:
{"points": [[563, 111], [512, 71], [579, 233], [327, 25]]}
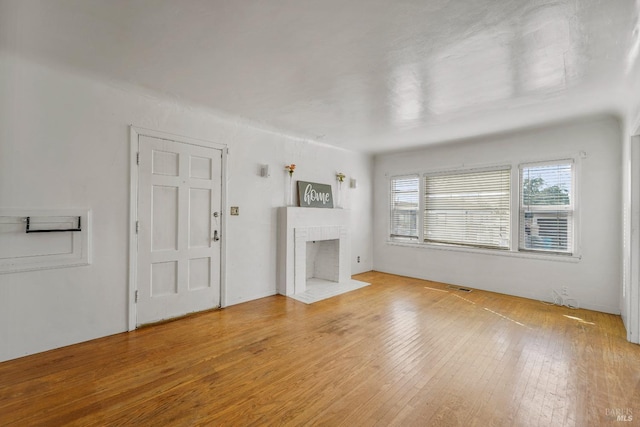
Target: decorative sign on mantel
{"points": [[314, 195]]}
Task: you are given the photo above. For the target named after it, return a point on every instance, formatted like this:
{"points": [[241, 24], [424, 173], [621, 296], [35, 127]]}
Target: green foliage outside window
{"points": [[534, 192]]}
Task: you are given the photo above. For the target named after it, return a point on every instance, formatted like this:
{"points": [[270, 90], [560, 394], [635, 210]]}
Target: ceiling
{"points": [[366, 75]]}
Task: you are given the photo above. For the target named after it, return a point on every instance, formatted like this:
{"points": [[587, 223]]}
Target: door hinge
{"points": [[137, 227], [136, 297], [138, 158]]}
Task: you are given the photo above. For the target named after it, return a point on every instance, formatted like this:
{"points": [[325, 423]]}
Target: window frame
{"points": [[515, 196], [501, 168], [571, 208], [397, 238]]}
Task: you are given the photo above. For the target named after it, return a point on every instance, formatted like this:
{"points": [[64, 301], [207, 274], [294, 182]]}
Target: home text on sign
{"points": [[312, 194]]}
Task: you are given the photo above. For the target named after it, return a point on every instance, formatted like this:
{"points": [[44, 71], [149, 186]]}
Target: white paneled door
{"points": [[179, 218]]}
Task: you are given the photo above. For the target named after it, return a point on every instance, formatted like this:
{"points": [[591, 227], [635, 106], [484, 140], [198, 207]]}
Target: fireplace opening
{"points": [[323, 259]]}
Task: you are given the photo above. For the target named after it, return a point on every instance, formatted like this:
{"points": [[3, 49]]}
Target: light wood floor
{"points": [[399, 352]]}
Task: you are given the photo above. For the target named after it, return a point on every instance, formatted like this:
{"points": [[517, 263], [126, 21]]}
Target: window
{"points": [[546, 207], [468, 208], [404, 207], [473, 208]]}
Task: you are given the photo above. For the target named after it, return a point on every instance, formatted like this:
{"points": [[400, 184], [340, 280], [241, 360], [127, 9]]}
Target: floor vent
{"points": [[458, 288]]}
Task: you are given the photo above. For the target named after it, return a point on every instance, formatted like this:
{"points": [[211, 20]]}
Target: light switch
{"points": [[235, 210]]}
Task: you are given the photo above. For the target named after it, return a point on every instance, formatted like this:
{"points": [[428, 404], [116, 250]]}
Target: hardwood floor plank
{"points": [[401, 352]]}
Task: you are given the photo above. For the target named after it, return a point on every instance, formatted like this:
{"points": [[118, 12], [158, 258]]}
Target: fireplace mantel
{"points": [[311, 224]]}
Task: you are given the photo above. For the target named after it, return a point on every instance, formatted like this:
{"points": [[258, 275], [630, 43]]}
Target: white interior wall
{"points": [[64, 142], [594, 279]]}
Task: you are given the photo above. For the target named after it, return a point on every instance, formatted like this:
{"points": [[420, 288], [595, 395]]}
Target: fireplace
{"points": [[314, 249]]}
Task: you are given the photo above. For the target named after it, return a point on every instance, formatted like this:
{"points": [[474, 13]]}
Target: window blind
{"points": [[404, 207], [546, 207], [470, 208]]}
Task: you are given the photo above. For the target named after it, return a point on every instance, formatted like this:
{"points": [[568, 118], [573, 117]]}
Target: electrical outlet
{"points": [[564, 291], [358, 259]]}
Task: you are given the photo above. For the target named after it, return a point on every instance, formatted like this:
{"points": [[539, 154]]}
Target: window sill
{"points": [[495, 252]]}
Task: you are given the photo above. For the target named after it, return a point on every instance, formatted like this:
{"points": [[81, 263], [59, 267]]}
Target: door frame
{"points": [[631, 286], [135, 133]]}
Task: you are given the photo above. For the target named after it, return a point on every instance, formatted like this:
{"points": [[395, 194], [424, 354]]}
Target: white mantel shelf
{"points": [[292, 218]]}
